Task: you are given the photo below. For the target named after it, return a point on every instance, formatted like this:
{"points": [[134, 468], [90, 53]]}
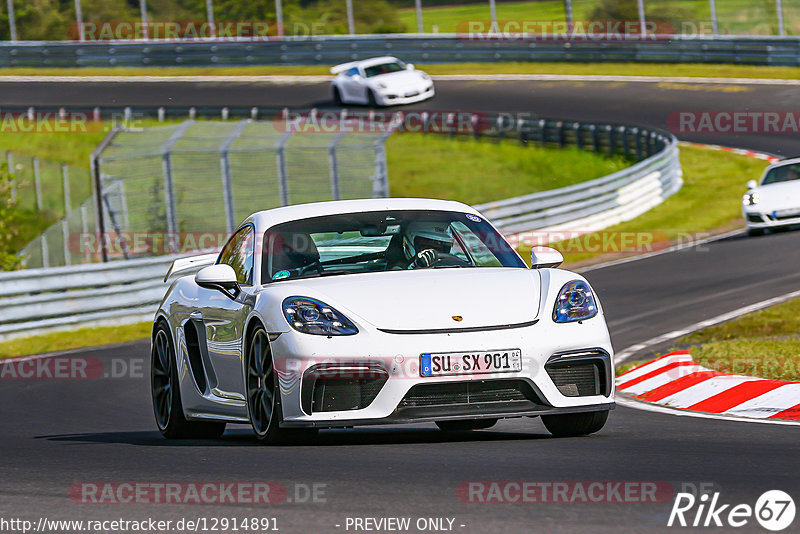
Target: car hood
{"points": [[400, 80], [429, 298], [779, 196]]}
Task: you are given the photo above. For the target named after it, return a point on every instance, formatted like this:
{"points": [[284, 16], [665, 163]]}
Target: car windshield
{"points": [[382, 241], [383, 68], [784, 173]]}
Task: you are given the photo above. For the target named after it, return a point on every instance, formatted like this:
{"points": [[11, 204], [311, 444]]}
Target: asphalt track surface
{"points": [[55, 433]]}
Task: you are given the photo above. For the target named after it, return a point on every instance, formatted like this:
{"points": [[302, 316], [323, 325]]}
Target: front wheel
{"points": [[263, 394], [575, 424], [755, 232], [465, 425], [166, 393], [371, 100]]}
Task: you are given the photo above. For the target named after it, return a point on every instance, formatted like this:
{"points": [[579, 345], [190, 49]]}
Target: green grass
{"points": [[709, 202], [618, 69], [754, 17], [765, 343], [474, 172], [74, 339]]}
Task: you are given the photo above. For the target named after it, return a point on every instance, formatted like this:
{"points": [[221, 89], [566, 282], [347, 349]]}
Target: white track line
{"points": [[626, 353], [657, 408]]}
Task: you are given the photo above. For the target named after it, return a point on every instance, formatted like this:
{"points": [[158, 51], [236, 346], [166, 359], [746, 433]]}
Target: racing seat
{"points": [[289, 252]]}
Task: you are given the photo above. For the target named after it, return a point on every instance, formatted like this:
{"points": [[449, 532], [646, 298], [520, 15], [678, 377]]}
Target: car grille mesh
{"points": [[466, 393], [342, 394], [579, 379]]}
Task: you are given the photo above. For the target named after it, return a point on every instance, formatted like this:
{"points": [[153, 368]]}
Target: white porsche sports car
{"points": [[380, 81], [386, 311], [773, 202]]}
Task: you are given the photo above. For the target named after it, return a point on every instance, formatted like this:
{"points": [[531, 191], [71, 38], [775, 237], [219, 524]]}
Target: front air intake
{"points": [[582, 374]]}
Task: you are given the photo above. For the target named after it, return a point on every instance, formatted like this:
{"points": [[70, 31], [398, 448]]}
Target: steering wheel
{"points": [[432, 258]]}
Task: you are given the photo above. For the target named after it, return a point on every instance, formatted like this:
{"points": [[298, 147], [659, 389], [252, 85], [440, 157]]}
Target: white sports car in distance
{"points": [[386, 311], [380, 81], [773, 202]]}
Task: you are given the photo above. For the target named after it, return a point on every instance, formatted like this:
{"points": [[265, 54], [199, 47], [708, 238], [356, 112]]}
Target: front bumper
{"points": [[390, 98], [393, 360], [759, 219]]}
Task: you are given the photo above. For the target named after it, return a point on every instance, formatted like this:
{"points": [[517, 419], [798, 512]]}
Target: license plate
{"points": [[470, 363], [787, 213]]}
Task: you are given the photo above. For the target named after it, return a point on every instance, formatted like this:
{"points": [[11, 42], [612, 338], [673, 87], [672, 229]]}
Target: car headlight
{"points": [[575, 302], [751, 199], [311, 316]]}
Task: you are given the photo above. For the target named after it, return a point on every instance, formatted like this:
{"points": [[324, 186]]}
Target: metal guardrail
{"points": [[430, 48], [39, 300], [599, 203]]}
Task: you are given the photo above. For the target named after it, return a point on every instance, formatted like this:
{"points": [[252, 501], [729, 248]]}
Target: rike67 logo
{"points": [[774, 510]]}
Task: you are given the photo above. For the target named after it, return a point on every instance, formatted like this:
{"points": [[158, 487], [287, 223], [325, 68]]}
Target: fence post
{"points": [[351, 25], [97, 189], [712, 6], [227, 181], [45, 253], [283, 180], [612, 141], [640, 6], [333, 166], [12, 23], [418, 7], [37, 184], [169, 198], [781, 26], [65, 220], [578, 135], [13, 184]]}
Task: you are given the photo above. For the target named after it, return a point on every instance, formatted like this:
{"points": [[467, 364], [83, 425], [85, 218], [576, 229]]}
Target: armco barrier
{"points": [[38, 300], [428, 48]]}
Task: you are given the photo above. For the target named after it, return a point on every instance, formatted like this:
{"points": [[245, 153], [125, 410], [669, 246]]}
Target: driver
{"points": [[423, 242]]}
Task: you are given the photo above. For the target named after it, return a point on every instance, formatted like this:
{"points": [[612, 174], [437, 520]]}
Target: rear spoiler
{"points": [[336, 69], [184, 264]]}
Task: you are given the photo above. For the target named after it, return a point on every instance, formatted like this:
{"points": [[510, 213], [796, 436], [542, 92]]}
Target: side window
{"points": [[239, 254], [477, 249], [352, 72]]}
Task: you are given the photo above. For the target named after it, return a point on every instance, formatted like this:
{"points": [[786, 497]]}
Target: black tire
{"points": [[263, 394], [466, 425], [165, 391], [575, 424], [755, 232], [337, 97], [371, 101]]}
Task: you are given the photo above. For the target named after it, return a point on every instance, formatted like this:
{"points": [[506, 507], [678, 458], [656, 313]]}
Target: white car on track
{"points": [[774, 201], [385, 311], [380, 81]]}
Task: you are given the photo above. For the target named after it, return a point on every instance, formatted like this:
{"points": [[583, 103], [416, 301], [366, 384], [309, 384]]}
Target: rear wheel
{"points": [[575, 424], [167, 396], [469, 424], [337, 96], [263, 394]]}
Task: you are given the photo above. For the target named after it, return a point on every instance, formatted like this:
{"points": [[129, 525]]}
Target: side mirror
{"points": [[545, 258], [752, 184], [221, 277], [409, 66]]}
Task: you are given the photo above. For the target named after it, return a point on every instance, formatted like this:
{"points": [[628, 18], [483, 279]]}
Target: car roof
{"points": [[269, 218], [362, 63]]}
